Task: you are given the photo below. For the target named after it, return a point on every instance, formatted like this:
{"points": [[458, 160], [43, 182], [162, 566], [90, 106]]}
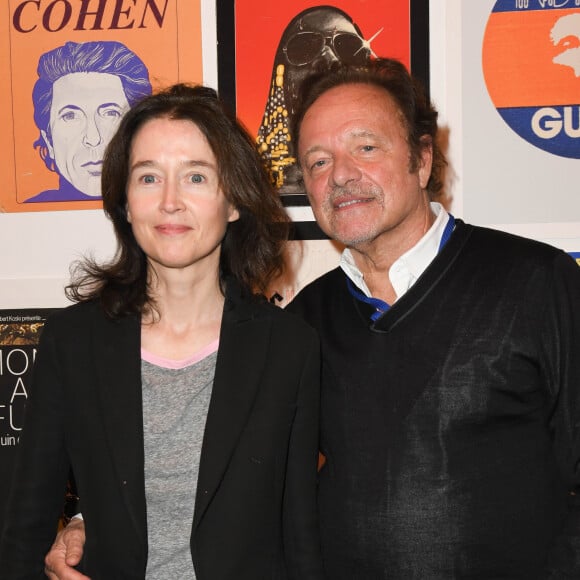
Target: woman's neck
{"points": [[187, 317]]}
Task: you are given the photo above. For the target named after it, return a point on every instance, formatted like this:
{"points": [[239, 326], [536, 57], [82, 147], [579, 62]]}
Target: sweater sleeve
{"points": [[561, 351]]}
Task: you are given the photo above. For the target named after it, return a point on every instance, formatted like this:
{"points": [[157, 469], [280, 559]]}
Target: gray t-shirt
{"points": [[175, 405]]}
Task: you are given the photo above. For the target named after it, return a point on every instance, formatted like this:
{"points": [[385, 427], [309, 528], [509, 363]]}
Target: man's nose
{"points": [[344, 170]]}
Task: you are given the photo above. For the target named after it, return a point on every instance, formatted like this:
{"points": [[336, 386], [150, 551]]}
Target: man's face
{"points": [[85, 112], [356, 165]]}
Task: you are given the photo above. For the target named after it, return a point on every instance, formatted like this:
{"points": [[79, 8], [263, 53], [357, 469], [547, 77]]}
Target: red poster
{"points": [[278, 44], [261, 25]]}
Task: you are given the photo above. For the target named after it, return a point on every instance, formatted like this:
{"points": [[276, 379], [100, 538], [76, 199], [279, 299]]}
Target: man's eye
{"points": [[368, 148], [318, 164]]}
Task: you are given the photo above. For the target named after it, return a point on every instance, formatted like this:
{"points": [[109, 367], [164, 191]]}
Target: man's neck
{"points": [[375, 258]]}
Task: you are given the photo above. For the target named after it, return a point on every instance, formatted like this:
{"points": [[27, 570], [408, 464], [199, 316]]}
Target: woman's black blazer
{"points": [[255, 515]]}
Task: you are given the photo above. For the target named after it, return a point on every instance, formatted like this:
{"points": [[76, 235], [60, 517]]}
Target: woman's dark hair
{"points": [[252, 249], [418, 114]]}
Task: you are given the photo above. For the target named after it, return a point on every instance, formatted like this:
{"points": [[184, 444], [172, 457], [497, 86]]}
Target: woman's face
{"points": [[175, 205]]}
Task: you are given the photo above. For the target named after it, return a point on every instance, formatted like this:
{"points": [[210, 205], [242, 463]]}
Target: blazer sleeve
{"points": [[301, 535], [40, 473]]}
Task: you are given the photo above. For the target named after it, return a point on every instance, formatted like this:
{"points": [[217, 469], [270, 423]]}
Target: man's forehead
{"points": [[351, 101]]}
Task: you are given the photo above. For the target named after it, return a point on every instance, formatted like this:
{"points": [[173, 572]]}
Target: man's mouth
{"points": [[341, 204]]}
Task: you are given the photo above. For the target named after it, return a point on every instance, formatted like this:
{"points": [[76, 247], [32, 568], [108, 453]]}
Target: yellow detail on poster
{"points": [[70, 70]]}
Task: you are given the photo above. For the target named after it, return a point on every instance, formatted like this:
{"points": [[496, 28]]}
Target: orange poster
{"points": [[70, 69]]}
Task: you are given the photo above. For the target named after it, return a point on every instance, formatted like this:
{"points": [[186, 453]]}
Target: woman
{"points": [[169, 365]]}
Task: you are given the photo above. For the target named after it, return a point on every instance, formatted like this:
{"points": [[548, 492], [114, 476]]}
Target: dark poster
{"points": [[19, 335]]}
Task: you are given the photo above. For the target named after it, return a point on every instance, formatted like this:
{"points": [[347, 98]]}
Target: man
{"points": [[81, 94], [451, 379]]}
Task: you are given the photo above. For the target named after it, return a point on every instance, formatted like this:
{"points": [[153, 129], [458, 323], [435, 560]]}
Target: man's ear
{"points": [[425, 161]]}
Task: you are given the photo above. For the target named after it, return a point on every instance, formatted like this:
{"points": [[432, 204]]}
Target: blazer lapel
{"points": [[118, 349], [244, 340]]}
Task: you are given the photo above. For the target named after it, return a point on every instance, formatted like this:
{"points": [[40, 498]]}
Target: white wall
{"points": [[37, 248]]}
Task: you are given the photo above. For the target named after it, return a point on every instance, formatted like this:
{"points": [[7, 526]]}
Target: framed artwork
{"points": [[265, 49], [69, 72], [517, 122], [20, 331]]}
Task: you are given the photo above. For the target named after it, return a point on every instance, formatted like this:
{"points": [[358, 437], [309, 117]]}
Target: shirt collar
{"points": [[407, 268]]}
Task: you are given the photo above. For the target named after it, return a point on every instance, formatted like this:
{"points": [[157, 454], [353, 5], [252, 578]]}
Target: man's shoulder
{"points": [[495, 253], [318, 294], [490, 241], [321, 285]]}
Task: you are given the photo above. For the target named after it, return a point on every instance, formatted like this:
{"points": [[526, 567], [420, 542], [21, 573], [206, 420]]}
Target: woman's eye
{"points": [[148, 179], [197, 178]]}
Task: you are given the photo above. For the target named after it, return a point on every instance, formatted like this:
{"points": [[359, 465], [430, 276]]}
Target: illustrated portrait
{"points": [[82, 91], [313, 38], [565, 36]]}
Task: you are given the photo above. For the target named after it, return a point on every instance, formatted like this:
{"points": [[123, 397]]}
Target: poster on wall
{"points": [[69, 72], [267, 48], [521, 118], [20, 332]]}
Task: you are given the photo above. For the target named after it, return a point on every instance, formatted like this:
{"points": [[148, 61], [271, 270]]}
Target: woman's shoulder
{"points": [[78, 311], [80, 316]]}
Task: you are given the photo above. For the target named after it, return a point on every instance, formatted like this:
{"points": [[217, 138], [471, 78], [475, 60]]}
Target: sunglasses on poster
{"points": [[304, 47]]}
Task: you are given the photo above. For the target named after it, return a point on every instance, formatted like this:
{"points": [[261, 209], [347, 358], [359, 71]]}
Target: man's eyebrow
{"points": [[313, 149], [355, 133], [362, 133]]}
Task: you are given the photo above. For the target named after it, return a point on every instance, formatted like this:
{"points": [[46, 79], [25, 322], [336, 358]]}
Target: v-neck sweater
{"points": [[450, 425]]}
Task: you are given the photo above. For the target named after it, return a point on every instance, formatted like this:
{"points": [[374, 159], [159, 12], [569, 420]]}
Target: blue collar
{"points": [[380, 306]]}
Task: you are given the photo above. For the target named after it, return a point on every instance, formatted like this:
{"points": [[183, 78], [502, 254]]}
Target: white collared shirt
{"points": [[404, 271]]}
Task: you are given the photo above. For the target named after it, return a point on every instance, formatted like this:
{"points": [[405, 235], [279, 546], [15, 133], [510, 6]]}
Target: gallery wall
{"points": [[496, 176]]}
